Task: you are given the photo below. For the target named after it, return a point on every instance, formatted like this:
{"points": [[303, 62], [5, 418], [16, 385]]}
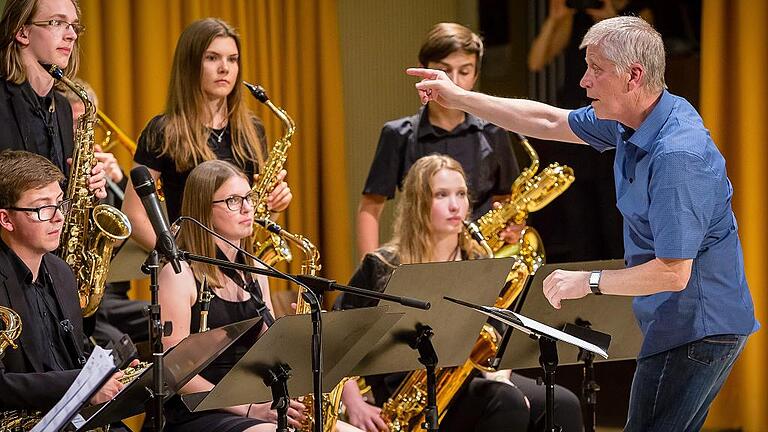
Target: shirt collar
{"points": [[426, 128], [646, 134]]}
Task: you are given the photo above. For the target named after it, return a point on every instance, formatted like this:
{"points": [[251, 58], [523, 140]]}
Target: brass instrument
{"points": [[310, 265], [90, 231], [272, 248], [111, 130], [25, 420], [530, 192], [11, 329]]}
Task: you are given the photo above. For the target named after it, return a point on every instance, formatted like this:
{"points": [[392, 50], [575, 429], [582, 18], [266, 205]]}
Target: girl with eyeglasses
{"points": [[217, 195]]}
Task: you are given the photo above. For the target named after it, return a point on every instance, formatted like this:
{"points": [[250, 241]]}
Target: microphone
{"points": [[144, 185], [474, 231]]}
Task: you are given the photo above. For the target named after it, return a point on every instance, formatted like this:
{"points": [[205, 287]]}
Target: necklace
{"points": [[219, 136], [454, 254]]}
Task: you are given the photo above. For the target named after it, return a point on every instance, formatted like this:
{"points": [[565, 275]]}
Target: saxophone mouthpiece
{"points": [[53, 69], [475, 233], [270, 226], [257, 91]]}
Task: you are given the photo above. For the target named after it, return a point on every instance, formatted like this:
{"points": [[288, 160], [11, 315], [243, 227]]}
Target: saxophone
{"points": [[530, 192], [271, 248], [90, 231], [310, 265], [11, 329]]}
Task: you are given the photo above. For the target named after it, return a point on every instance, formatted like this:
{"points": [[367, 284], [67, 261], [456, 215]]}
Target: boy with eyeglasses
{"points": [[38, 286], [35, 117]]}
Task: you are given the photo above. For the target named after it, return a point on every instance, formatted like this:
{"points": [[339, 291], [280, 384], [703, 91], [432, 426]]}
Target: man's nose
{"points": [[585, 82]]}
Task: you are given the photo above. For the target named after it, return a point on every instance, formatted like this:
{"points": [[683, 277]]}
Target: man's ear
{"points": [[636, 76], [22, 37], [5, 220]]}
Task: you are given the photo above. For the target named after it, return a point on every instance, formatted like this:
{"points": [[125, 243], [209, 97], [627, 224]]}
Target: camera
{"points": [[584, 4]]}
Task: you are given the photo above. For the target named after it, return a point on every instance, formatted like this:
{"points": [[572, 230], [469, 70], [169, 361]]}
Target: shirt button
{"points": [[631, 180]]}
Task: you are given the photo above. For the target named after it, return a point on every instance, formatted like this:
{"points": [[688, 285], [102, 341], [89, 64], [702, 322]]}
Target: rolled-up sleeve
{"points": [[384, 174]]}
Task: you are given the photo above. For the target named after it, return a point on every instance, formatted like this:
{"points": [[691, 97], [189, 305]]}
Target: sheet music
{"points": [[98, 368], [528, 325]]}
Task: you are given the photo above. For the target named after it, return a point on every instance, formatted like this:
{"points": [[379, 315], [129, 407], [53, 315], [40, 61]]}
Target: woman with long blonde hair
{"points": [[429, 228], [205, 118]]}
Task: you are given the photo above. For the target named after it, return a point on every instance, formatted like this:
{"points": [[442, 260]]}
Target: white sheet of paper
{"points": [[99, 366], [530, 324]]}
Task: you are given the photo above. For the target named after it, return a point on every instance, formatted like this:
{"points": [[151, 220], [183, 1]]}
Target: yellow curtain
{"points": [[734, 58], [290, 47]]}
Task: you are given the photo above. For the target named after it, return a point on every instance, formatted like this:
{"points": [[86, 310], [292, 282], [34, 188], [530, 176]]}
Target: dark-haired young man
{"points": [[39, 287]]}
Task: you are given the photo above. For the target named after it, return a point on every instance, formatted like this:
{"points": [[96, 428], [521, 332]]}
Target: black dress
{"points": [[221, 313]]}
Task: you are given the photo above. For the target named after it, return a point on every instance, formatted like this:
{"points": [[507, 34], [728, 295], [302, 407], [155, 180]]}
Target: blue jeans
{"points": [[672, 390]]}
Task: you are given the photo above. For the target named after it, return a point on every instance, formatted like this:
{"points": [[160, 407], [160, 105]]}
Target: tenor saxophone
{"points": [[530, 192], [310, 265], [269, 247], [90, 231]]}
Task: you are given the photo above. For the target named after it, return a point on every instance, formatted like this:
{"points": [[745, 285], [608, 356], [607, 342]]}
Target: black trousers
{"points": [[486, 406]]}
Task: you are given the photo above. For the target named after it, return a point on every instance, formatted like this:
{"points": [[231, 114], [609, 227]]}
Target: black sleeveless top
{"points": [[222, 312]]}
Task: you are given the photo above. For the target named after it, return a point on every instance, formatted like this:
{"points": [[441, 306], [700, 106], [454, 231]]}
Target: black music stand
{"points": [[181, 364], [443, 329], [547, 341], [283, 352], [606, 313]]}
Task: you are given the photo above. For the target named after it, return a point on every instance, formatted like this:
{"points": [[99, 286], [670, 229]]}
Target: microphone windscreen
{"points": [[142, 181]]}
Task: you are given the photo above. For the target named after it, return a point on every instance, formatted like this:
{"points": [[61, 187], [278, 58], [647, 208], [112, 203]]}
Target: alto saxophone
{"points": [[90, 231], [273, 248], [11, 329], [530, 192], [310, 265]]}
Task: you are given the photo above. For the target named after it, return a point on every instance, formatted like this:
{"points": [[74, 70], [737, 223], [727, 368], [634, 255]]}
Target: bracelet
{"points": [[248, 413]]}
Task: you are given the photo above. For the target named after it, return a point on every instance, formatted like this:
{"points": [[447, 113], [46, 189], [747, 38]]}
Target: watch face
{"points": [[594, 278]]}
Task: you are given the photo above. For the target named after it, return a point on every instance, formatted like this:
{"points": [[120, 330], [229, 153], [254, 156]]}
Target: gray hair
{"points": [[625, 40]]}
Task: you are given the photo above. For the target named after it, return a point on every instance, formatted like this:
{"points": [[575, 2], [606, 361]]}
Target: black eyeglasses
{"points": [[60, 25], [47, 212], [235, 202]]}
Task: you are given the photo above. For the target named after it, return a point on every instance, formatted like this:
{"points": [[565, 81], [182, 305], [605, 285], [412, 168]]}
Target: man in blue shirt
{"points": [[684, 260]]}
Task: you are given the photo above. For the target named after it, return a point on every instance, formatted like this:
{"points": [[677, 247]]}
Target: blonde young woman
{"points": [[205, 118], [429, 228], [218, 195]]}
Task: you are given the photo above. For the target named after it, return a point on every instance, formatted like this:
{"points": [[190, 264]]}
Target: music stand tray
{"points": [[347, 337], [181, 363], [455, 329]]}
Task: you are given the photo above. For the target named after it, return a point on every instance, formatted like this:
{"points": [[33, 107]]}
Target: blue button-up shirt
{"points": [[675, 197]]}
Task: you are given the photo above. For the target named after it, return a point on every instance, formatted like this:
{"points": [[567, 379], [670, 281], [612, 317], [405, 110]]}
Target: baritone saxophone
{"points": [[530, 192], [90, 231]]}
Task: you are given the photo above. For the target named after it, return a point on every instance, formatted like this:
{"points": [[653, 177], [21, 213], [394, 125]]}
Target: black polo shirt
{"points": [[483, 149]]}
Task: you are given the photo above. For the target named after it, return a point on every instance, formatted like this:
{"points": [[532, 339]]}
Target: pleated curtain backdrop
{"points": [[734, 92], [290, 47]]}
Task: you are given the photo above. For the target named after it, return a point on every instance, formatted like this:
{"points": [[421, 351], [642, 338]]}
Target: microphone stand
{"points": [[157, 329], [315, 287]]}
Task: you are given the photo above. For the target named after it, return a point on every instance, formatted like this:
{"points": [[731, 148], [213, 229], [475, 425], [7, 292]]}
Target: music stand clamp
{"points": [[428, 357], [277, 380]]}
